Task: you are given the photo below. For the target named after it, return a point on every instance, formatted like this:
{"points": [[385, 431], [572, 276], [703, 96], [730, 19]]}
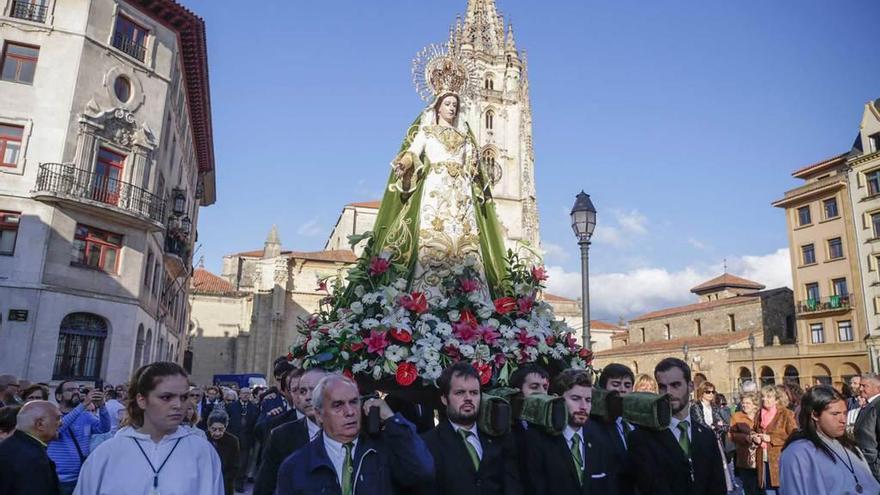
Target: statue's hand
{"points": [[403, 164]]}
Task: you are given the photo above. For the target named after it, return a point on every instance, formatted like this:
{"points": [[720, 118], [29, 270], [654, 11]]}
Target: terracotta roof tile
{"points": [[367, 204], [820, 164], [745, 298], [675, 345], [727, 280], [205, 282], [340, 255], [554, 298], [601, 325]]}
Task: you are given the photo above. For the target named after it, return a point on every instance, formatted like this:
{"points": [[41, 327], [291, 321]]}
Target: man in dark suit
{"points": [[684, 458], [341, 460], [468, 461], [529, 379], [285, 412], [25, 468], [242, 419], [618, 378], [867, 426], [287, 438], [575, 462]]}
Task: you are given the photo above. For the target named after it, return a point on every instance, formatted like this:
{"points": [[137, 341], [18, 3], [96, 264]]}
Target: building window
{"points": [[875, 224], [812, 292], [698, 326], [10, 144], [835, 248], [809, 254], [873, 180], [29, 10], [19, 63], [839, 287], [731, 320], [668, 331], [108, 176], [844, 331], [80, 347], [96, 248], [490, 119], [8, 231], [157, 272], [130, 37], [817, 333], [122, 89], [148, 271], [875, 141], [804, 217], [642, 330], [830, 206], [489, 83]]}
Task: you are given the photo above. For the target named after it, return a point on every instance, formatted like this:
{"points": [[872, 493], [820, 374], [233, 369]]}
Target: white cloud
{"points": [[555, 252], [310, 229], [642, 290], [698, 244], [626, 227]]}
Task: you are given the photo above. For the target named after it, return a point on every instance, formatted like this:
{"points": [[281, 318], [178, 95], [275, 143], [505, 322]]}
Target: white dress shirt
{"points": [[472, 439], [569, 433], [336, 453], [622, 432], [673, 425], [707, 413], [313, 429]]}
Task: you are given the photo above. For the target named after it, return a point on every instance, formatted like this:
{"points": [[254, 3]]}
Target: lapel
{"points": [[455, 443], [563, 451], [864, 412], [318, 457], [670, 444]]}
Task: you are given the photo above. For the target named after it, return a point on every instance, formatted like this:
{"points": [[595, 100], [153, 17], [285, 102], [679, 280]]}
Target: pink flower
{"points": [[571, 342], [525, 340], [378, 266], [525, 304], [489, 334], [466, 332], [452, 352], [469, 285], [500, 359], [322, 286], [376, 342], [539, 273]]}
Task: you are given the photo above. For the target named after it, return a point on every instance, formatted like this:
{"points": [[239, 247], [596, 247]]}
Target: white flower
{"points": [[370, 298], [344, 355], [432, 371], [458, 270], [474, 297], [454, 315], [492, 322], [485, 312], [313, 345], [357, 308], [334, 332], [443, 329], [431, 355], [507, 332], [400, 284], [521, 323], [483, 352], [430, 341], [578, 363], [370, 323], [470, 261], [467, 350], [377, 372], [360, 366], [359, 291], [395, 353]]}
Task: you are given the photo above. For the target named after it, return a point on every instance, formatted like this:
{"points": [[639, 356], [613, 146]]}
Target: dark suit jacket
{"points": [[397, 456], [661, 467], [228, 451], [243, 430], [455, 473], [262, 430], [25, 468], [621, 465], [282, 441], [552, 470], [867, 433]]}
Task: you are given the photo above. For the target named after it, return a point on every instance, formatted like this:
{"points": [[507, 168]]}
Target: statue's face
{"points": [[448, 108]]}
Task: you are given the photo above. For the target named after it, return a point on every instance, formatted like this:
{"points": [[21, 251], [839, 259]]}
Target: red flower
{"points": [[290, 356], [525, 304], [504, 305], [401, 335], [550, 340], [539, 274], [489, 334], [484, 370], [376, 342], [356, 346], [322, 286], [406, 374], [452, 352], [312, 322], [468, 317], [500, 359], [465, 332], [469, 285], [415, 302], [347, 373], [586, 355], [571, 342], [378, 266]]}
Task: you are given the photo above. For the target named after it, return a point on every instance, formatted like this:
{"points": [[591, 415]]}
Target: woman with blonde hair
{"points": [[645, 383], [741, 426], [772, 427]]}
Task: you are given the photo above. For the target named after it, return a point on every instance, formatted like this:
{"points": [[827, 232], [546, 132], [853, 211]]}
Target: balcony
{"points": [[79, 188], [177, 253], [824, 305], [29, 11], [129, 46]]}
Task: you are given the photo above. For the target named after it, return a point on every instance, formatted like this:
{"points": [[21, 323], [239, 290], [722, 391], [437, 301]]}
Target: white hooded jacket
{"points": [[118, 467]]}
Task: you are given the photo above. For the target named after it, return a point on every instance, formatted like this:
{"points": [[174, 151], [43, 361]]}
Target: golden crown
{"points": [[438, 70]]}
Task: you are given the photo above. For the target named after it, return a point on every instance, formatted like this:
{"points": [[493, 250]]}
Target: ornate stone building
{"points": [[106, 155]]}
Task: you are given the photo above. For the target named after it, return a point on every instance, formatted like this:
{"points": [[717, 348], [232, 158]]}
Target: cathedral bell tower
{"points": [[501, 116]]}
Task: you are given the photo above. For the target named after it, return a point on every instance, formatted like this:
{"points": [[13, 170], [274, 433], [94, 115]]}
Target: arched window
{"points": [[489, 83], [138, 348], [160, 349], [490, 119], [148, 348], [767, 376], [80, 347]]}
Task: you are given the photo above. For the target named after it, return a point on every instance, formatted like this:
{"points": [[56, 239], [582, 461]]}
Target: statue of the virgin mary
{"points": [[437, 212]]}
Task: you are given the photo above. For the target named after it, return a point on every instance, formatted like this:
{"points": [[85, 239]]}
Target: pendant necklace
{"points": [[155, 489], [849, 466]]}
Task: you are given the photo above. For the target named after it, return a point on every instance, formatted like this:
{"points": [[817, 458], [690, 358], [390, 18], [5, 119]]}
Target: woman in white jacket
{"points": [[155, 455]]}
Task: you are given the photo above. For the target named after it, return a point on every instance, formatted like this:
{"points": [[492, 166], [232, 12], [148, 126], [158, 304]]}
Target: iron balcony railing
{"points": [[67, 180], [830, 303], [29, 11], [129, 46]]}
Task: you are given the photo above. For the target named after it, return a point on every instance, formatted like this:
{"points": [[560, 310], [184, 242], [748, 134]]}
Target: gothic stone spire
{"points": [[272, 247], [483, 28]]}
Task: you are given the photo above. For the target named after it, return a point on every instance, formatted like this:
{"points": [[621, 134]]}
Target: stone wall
{"points": [[747, 317]]}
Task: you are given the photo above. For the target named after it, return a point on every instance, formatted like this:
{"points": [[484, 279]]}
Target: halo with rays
{"points": [[434, 58]]}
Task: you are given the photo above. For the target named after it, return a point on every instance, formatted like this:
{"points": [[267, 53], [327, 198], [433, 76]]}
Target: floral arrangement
{"points": [[375, 328]]}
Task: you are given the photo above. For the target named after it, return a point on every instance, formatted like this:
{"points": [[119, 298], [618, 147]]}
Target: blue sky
{"points": [[682, 119]]}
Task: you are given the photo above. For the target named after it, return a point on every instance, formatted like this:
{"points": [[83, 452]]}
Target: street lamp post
{"points": [[583, 222], [752, 346]]}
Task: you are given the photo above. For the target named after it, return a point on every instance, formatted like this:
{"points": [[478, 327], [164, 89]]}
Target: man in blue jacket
{"points": [[341, 459], [77, 427]]}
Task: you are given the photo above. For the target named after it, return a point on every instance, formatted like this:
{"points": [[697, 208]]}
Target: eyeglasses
{"points": [[710, 392]]}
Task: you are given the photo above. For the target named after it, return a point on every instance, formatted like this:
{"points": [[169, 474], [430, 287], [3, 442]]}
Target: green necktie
{"points": [[578, 458], [347, 470], [683, 439], [472, 451]]}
